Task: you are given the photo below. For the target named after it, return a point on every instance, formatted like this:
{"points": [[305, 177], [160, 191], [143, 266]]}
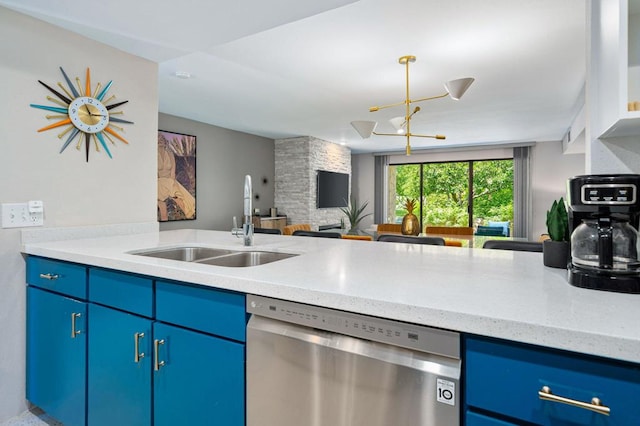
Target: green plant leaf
{"points": [[558, 221]]}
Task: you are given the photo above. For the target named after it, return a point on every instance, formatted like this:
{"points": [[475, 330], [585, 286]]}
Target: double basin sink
{"points": [[216, 257]]}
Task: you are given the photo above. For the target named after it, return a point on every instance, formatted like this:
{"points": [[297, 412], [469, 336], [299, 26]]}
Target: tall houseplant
{"points": [[556, 248], [355, 213]]}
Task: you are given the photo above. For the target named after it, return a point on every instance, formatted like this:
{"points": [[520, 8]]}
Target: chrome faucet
{"points": [[247, 227]]}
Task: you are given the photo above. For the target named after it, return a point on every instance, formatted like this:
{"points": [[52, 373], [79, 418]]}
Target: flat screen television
{"points": [[333, 189]]}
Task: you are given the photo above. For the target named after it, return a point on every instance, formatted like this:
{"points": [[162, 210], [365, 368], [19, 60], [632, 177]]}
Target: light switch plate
{"points": [[17, 215]]}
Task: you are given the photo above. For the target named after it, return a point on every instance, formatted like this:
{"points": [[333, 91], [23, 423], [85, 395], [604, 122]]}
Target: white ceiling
{"points": [[284, 68]]}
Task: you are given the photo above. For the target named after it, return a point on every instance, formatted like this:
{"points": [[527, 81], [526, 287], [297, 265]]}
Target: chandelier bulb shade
{"points": [[402, 124], [364, 128], [457, 88]]}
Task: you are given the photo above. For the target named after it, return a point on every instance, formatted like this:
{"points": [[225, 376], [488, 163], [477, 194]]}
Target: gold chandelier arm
{"points": [[388, 134], [429, 136], [428, 99], [378, 108]]}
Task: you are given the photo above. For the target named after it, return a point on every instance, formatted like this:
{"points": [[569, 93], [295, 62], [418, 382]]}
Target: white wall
{"points": [[224, 157], [550, 169], [103, 191]]}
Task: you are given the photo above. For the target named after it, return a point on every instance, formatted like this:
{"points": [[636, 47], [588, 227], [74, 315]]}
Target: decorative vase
{"points": [[410, 224], [555, 254]]}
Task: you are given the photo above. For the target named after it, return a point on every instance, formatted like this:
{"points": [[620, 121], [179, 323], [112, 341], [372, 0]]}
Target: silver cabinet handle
{"points": [[156, 349], [74, 332], [136, 347], [594, 405], [49, 276]]}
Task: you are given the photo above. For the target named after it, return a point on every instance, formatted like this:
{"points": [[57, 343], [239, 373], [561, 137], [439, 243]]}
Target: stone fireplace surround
{"points": [[297, 161]]}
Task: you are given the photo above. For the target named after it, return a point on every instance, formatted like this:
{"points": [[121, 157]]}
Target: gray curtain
{"points": [[381, 164], [521, 191]]}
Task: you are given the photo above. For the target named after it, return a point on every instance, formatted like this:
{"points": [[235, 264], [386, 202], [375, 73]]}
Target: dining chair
{"points": [[357, 237], [389, 227], [289, 229], [321, 234], [490, 231], [513, 245], [267, 231], [392, 238], [455, 230]]}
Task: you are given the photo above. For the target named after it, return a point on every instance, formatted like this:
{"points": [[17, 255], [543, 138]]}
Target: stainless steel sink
{"points": [[246, 258], [186, 254], [214, 256]]}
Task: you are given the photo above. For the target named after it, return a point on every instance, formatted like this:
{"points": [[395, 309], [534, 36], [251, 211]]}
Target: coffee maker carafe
{"points": [[604, 213]]}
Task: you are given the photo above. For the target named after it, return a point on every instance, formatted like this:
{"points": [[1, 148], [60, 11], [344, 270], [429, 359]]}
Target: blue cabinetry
{"points": [[517, 383], [56, 361], [145, 352], [119, 383], [200, 379], [57, 340]]}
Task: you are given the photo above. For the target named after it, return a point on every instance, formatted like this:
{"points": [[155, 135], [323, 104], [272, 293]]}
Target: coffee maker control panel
{"points": [[609, 194]]}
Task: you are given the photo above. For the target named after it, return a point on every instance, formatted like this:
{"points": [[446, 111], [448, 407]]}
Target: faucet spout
{"points": [[247, 227]]}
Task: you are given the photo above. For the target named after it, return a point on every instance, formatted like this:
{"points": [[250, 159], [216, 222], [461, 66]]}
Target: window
{"points": [[461, 193]]}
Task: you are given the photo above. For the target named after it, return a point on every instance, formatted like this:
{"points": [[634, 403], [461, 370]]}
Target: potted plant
{"points": [[410, 222], [355, 214], [556, 249]]}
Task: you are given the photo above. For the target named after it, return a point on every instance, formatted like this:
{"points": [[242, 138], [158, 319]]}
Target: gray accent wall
{"points": [[297, 161], [223, 158]]}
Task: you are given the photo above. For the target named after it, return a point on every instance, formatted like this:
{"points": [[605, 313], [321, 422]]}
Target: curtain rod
{"points": [[450, 148]]}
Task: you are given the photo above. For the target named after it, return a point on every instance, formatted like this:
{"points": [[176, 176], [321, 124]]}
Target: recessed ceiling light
{"points": [[182, 74]]}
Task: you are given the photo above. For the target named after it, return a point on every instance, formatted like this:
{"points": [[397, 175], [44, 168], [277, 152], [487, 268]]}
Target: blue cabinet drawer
{"points": [[61, 277], [209, 310], [505, 378], [122, 291]]}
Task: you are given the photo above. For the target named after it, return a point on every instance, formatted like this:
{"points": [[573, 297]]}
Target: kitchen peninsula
{"points": [[481, 293]]}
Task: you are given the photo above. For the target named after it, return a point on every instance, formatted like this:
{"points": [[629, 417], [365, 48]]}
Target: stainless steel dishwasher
{"points": [[313, 366]]}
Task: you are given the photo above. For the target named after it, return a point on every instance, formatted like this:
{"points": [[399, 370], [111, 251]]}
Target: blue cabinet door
{"points": [[56, 355], [200, 380], [119, 384], [505, 378]]}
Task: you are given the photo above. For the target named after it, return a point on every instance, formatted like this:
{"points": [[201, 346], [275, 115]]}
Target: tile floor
{"points": [[32, 418]]}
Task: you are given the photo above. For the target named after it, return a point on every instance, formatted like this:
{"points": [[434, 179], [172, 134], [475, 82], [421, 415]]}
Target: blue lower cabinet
{"points": [[119, 368], [549, 387], [56, 355], [198, 380]]}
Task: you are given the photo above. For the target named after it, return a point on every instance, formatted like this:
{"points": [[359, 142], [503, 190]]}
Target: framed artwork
{"points": [[176, 176]]}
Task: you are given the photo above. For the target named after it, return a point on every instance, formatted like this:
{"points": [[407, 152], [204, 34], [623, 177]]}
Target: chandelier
{"points": [[454, 88]]}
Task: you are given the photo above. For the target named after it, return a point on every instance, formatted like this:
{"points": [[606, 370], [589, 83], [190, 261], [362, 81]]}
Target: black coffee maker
{"points": [[604, 218]]}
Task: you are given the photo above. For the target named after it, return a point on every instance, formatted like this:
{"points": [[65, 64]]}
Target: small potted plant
{"points": [[355, 214], [556, 249]]}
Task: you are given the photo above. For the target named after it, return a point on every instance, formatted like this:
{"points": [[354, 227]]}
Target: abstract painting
{"points": [[176, 176]]}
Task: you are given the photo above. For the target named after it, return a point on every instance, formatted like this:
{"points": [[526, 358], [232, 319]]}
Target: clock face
{"points": [[88, 114], [84, 114]]}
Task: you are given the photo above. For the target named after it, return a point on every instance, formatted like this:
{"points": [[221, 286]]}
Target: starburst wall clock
{"points": [[84, 114]]}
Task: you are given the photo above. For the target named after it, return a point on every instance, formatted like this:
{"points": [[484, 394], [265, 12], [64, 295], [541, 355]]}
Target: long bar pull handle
{"points": [[49, 276], [594, 405], [136, 347], [156, 349], [74, 332]]}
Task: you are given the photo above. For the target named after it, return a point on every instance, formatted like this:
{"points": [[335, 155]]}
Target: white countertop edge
{"points": [[624, 347]]}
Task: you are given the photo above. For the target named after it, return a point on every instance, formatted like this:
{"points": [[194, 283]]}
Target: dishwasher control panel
{"points": [[396, 333]]}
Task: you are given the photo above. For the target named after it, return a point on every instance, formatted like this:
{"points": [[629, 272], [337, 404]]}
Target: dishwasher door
{"points": [[301, 376]]}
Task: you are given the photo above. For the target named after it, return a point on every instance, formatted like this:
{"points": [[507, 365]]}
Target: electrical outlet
{"points": [[18, 215]]}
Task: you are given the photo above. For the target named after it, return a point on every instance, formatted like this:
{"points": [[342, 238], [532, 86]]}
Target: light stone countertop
{"points": [[504, 294]]}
